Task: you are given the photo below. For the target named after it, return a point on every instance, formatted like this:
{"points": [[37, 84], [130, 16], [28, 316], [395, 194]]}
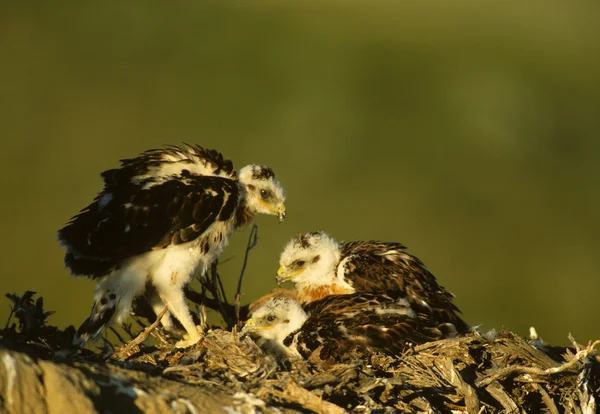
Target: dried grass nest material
{"points": [[474, 373]]}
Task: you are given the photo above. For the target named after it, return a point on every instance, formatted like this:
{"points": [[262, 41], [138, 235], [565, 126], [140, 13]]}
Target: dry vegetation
{"points": [[225, 372]]}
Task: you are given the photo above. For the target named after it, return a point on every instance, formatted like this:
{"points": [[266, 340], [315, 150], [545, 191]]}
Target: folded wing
{"points": [[121, 224], [373, 266]]}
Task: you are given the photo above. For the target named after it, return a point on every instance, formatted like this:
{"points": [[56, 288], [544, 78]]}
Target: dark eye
{"points": [[299, 263], [271, 318], [265, 194]]}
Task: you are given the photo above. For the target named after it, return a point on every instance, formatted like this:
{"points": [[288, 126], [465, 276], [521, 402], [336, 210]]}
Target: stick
{"points": [[125, 352], [252, 241], [221, 288], [113, 330], [505, 372], [218, 291], [201, 299], [12, 311]]}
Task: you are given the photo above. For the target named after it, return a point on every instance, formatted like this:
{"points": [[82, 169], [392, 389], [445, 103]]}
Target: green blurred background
{"points": [[467, 131]]}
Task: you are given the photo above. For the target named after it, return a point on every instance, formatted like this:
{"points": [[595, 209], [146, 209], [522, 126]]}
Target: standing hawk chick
{"points": [[162, 219]]}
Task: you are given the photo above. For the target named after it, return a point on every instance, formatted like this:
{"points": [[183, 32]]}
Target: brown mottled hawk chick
{"points": [[344, 326], [320, 266], [162, 219]]}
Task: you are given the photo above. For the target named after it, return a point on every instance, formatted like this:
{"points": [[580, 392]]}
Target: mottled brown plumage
{"points": [[341, 327], [320, 266], [375, 266], [140, 210]]}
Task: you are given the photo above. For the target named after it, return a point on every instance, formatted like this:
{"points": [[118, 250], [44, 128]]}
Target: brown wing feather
{"points": [[136, 220], [340, 325], [131, 167], [375, 266]]}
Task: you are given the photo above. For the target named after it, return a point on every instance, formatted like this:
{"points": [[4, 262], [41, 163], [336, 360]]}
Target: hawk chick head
{"points": [[264, 192], [276, 319], [310, 258]]}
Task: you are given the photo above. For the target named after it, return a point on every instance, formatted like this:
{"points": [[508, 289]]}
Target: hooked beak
{"points": [[252, 326], [281, 213], [283, 276], [249, 326], [280, 278]]}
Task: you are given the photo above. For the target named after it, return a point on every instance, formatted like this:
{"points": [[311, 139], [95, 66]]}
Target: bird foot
{"points": [[188, 340]]}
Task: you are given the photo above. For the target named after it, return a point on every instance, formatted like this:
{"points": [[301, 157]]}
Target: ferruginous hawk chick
{"points": [[162, 219], [337, 326], [320, 266]]}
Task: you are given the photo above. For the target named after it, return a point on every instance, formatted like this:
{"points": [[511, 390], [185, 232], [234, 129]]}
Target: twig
{"points": [[306, 399], [12, 311], [587, 401], [505, 372], [447, 369], [139, 322], [217, 290], [221, 288], [125, 352], [117, 335], [252, 241], [201, 299], [212, 282], [497, 391], [107, 343], [228, 259], [160, 337], [574, 342], [201, 311], [127, 329], [546, 399]]}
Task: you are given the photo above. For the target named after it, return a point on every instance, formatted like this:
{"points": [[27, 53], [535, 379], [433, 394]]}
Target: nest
{"points": [[473, 373]]}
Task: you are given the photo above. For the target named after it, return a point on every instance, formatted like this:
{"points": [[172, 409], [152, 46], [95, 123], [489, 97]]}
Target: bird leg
{"points": [[175, 301], [158, 305]]}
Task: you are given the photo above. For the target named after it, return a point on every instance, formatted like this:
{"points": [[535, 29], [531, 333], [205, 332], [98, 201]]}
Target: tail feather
{"points": [[93, 327], [105, 311], [447, 330], [113, 298]]}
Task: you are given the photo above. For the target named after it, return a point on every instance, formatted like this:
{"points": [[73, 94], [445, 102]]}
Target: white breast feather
{"points": [[169, 268]]}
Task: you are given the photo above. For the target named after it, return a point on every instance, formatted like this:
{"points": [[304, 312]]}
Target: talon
{"points": [[189, 340], [185, 343]]}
